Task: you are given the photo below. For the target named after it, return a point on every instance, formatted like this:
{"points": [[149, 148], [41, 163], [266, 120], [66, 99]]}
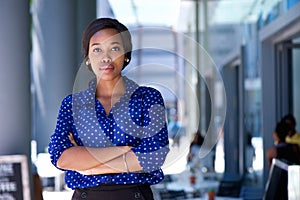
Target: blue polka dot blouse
{"points": [[137, 119]]}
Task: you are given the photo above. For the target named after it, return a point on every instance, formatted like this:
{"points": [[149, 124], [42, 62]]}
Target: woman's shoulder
{"points": [[150, 94], [67, 99], [147, 90], [78, 98]]}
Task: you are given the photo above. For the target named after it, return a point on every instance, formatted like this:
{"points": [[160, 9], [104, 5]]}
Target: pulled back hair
{"points": [[103, 23], [282, 130], [289, 118]]}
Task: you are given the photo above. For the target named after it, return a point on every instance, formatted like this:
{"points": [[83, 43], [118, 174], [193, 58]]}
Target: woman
{"points": [[111, 139], [282, 149]]}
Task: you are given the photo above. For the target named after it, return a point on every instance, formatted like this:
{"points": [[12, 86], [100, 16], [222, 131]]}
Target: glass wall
{"points": [[295, 64]]}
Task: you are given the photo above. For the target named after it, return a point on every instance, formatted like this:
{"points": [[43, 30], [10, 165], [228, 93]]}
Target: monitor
{"points": [[277, 184]]}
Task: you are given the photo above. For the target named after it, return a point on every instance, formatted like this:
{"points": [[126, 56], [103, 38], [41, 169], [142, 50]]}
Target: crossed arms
{"points": [[91, 161]]}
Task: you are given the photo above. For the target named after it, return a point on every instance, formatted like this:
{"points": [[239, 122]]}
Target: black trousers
{"points": [[114, 192]]}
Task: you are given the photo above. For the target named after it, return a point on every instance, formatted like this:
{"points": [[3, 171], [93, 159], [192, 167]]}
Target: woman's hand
{"points": [[72, 140], [86, 172]]}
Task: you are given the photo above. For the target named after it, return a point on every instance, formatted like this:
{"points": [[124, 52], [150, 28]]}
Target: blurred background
{"points": [[228, 71]]}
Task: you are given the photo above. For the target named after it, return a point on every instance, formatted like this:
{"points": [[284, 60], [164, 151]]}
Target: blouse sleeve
{"points": [[59, 140], [154, 146]]}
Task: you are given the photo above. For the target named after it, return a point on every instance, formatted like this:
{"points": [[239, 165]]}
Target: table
{"points": [[181, 182], [217, 198]]}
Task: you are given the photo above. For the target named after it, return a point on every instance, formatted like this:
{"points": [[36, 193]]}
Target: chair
{"points": [[172, 195], [230, 186]]}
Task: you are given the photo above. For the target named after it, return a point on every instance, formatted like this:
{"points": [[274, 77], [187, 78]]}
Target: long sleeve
{"points": [[154, 146], [59, 140]]}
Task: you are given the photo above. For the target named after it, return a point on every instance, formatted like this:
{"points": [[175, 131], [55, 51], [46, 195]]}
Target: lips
{"points": [[108, 67]]}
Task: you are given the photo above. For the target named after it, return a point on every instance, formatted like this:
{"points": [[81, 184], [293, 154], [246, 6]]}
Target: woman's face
{"points": [[106, 54]]}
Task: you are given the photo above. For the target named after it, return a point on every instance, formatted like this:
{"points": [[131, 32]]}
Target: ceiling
{"points": [[146, 12], [175, 12]]}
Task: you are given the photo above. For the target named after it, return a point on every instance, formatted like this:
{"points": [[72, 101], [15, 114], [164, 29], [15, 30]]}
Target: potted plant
{"points": [[211, 193], [192, 176]]}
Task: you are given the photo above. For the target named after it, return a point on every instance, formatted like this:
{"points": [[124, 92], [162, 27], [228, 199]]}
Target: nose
{"points": [[106, 59]]}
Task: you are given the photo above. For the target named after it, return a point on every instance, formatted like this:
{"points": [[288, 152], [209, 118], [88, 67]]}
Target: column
{"points": [[54, 63], [57, 30], [15, 115]]}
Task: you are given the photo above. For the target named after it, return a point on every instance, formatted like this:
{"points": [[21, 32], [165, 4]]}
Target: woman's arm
{"points": [[67, 155], [154, 146], [271, 153], [127, 162], [82, 158]]}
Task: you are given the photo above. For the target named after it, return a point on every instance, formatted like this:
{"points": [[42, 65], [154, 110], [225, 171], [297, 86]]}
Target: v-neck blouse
{"points": [[137, 119]]}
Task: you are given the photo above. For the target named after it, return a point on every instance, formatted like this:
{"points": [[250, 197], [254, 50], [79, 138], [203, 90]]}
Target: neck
{"points": [[115, 87], [281, 142]]}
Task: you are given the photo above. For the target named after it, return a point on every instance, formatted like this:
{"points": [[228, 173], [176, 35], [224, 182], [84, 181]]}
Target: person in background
{"points": [[204, 164], [293, 136], [282, 149], [193, 155], [111, 139], [175, 131], [250, 153]]}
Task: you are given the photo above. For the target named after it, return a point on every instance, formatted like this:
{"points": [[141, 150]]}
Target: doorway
{"points": [[288, 81]]}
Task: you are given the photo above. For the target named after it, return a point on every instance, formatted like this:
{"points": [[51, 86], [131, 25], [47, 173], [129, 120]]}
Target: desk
{"points": [[217, 198], [187, 187], [182, 182]]}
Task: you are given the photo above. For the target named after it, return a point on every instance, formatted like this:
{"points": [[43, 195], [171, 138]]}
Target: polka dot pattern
{"points": [[137, 119]]}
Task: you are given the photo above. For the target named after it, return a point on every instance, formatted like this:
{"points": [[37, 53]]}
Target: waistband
{"points": [[105, 187]]}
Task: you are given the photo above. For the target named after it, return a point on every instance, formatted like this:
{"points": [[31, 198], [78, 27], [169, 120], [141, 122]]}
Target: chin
{"points": [[108, 77]]}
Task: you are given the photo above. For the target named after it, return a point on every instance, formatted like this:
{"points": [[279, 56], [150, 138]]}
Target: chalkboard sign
{"points": [[14, 180]]}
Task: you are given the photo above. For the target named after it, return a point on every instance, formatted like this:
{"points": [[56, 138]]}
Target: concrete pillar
{"points": [[15, 115], [54, 63], [57, 30], [86, 12]]}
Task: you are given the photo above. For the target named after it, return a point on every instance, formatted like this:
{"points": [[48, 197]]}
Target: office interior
{"points": [[228, 69]]}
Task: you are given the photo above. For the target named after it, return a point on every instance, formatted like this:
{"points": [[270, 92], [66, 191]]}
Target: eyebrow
{"points": [[112, 43]]}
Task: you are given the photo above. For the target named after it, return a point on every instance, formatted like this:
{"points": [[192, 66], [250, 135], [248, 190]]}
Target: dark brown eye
{"points": [[116, 49], [96, 50]]}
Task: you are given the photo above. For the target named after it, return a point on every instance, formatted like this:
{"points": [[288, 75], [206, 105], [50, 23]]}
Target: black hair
{"points": [[103, 23], [290, 118], [282, 130]]}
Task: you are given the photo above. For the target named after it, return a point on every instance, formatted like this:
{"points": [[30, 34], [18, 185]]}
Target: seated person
{"points": [[293, 136], [195, 146], [206, 163], [282, 149]]}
